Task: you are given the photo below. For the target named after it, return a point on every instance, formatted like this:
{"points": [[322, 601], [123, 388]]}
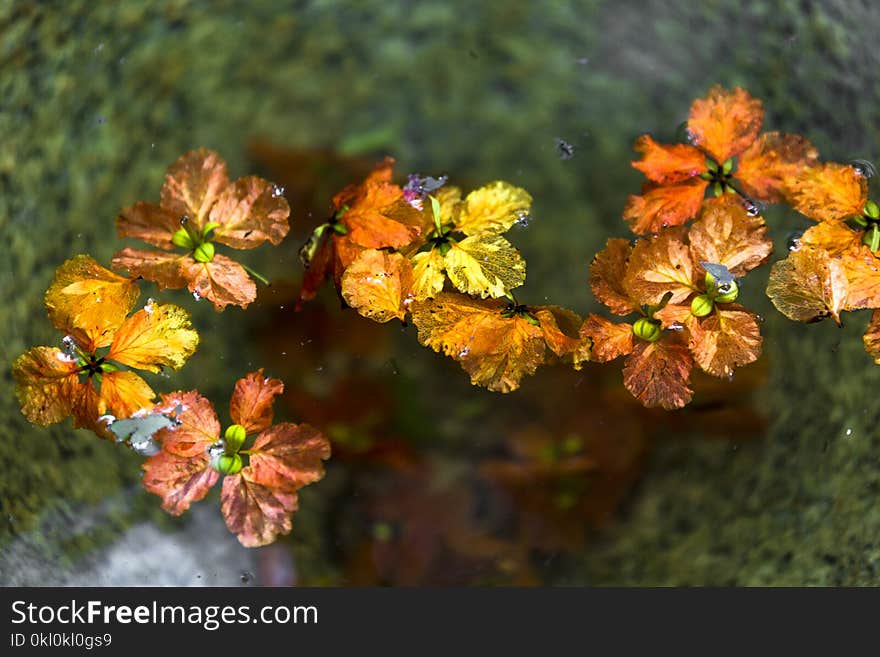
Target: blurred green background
{"points": [[98, 98]]}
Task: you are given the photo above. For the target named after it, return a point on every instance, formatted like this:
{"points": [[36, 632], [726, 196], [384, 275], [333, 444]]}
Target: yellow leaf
{"points": [[808, 285], [485, 266], [492, 209], [378, 284], [428, 278], [154, 337]]}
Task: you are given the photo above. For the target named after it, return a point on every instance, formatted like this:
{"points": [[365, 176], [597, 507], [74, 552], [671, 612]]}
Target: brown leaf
{"points": [[725, 122], [193, 184], [222, 281], [658, 373], [727, 235], [659, 265], [379, 285], [829, 192], [89, 302], [607, 339], [808, 285], [149, 222], [251, 404], [607, 272], [725, 340], [250, 211]]}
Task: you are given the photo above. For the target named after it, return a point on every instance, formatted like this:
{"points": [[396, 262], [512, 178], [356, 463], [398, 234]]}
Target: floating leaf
{"points": [[379, 285], [772, 164], [667, 164], [485, 266], [252, 399], [46, 383], [606, 340], [661, 265], [607, 272], [489, 210], [660, 206], [89, 302], [258, 503], [157, 336], [872, 337], [725, 122], [830, 192], [178, 480], [658, 374], [428, 274], [727, 235], [725, 340], [808, 285], [249, 212], [496, 342]]}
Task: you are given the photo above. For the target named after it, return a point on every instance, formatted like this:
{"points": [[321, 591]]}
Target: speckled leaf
{"points": [[428, 274], [485, 266], [603, 340], [45, 384], [179, 480], [872, 337], [808, 285], [379, 285], [492, 209], [829, 192]]}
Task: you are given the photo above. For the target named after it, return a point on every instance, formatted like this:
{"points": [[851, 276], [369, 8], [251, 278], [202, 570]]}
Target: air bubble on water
{"points": [[676, 326], [277, 191], [464, 352], [523, 218], [849, 432], [196, 295], [149, 306], [865, 168], [730, 376], [760, 318], [792, 242]]}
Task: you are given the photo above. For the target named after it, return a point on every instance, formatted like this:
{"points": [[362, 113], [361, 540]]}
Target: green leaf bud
{"points": [[204, 252], [234, 437], [702, 305], [871, 238], [727, 167], [646, 329], [340, 229], [717, 189], [872, 210], [182, 239], [711, 164], [726, 293], [227, 464], [208, 230]]}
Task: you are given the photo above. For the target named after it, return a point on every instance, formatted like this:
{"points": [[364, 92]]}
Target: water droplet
{"points": [[760, 318], [583, 61], [730, 376], [196, 295], [523, 218], [464, 352], [246, 577], [676, 326], [849, 432], [753, 207], [277, 191], [865, 168], [793, 240]]}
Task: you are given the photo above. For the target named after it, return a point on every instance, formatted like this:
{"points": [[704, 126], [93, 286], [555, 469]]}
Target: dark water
{"points": [[769, 479]]}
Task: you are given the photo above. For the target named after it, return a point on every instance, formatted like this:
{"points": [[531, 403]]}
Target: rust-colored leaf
{"points": [[607, 339], [727, 235], [251, 403], [725, 340], [198, 427], [872, 337], [149, 222], [659, 265], [660, 206], [250, 211], [193, 184], [379, 285], [46, 384], [607, 272], [163, 268], [808, 285], [833, 237], [259, 502], [222, 281], [496, 343], [658, 373], [179, 480], [829, 192], [89, 302], [157, 336], [668, 164], [767, 169], [725, 122]]}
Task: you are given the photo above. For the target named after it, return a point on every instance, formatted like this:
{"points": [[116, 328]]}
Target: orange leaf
{"points": [[258, 502], [862, 270], [162, 268], [558, 325], [829, 192], [666, 164], [725, 340], [496, 351], [89, 302], [674, 316], [250, 211], [158, 335], [725, 122], [45, 384], [193, 184], [122, 394], [659, 265], [379, 285], [660, 206], [179, 480], [727, 235], [834, 237], [606, 277], [872, 337], [251, 404], [808, 285], [658, 373], [772, 163], [149, 222], [608, 340]]}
